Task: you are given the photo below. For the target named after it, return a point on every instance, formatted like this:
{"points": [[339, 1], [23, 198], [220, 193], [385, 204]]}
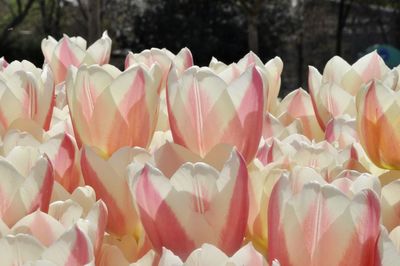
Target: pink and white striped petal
{"points": [[196, 195]]}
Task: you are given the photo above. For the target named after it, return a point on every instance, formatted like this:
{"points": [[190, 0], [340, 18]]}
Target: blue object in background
{"points": [[390, 54]]}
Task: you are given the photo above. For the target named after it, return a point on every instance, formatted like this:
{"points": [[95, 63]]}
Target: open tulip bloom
{"points": [[169, 163]]}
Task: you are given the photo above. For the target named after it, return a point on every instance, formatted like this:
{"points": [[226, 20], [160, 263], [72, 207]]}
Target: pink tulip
{"points": [[204, 110], [71, 248], [108, 178], [61, 150], [112, 109], [47, 229], [274, 128], [164, 58], [72, 52], [23, 195], [27, 93], [210, 255], [333, 93], [197, 196], [270, 72], [261, 181], [378, 130], [319, 225], [297, 105]]}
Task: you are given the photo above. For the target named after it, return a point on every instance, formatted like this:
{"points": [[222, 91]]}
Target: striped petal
{"points": [[66, 53], [21, 196], [99, 52], [106, 106], [216, 204], [320, 226], [72, 248], [298, 105], [204, 110], [378, 122], [62, 152], [112, 188], [41, 226]]}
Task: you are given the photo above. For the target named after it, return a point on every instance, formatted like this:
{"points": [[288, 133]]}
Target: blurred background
{"points": [[301, 32]]}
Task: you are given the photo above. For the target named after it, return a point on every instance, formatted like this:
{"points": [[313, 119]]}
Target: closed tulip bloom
{"points": [[333, 93], [270, 72], [61, 150], [204, 110], [72, 248], [200, 204], [71, 51], [111, 109], [297, 105], [319, 225], [22, 195], [108, 178], [378, 124], [274, 128], [27, 93], [164, 58]]}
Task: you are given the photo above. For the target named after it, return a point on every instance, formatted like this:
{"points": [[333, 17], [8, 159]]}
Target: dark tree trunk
{"points": [[343, 12], [94, 26]]}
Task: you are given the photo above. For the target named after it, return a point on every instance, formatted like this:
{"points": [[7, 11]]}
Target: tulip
{"points": [[27, 93], [72, 52], [108, 178], [71, 248], [297, 105], [23, 195], [196, 196], [273, 151], [164, 58], [112, 109], [270, 72], [377, 120], [319, 225], [47, 229], [261, 181], [274, 128], [204, 110], [210, 255], [333, 93], [61, 150]]}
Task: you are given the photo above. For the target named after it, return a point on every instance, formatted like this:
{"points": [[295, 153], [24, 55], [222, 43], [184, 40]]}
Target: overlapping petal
{"points": [[72, 52], [204, 110], [112, 109], [198, 196]]}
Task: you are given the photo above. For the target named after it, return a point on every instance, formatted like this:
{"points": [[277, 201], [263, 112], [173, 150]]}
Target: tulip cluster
{"points": [[168, 163]]}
